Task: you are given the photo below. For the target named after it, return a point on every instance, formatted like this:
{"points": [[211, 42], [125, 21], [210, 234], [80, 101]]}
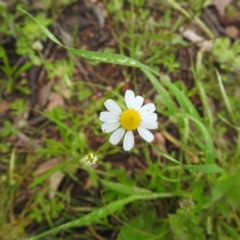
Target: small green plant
{"points": [[227, 54], [161, 44], [29, 40], [12, 73]]}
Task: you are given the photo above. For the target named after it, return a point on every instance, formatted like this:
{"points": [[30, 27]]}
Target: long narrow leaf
{"points": [[184, 102], [208, 147], [132, 190], [169, 103], [225, 97], [99, 213], [204, 99], [207, 168], [94, 56]]}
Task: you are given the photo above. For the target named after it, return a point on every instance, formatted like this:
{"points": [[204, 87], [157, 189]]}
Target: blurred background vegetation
{"points": [[50, 101]]}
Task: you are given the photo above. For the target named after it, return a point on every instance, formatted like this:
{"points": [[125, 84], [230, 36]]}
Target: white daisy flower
{"points": [[135, 117]]}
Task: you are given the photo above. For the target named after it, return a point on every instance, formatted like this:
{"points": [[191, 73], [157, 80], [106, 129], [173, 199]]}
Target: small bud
{"points": [[90, 159], [37, 45]]}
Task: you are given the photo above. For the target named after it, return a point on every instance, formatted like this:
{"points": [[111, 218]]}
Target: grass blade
{"points": [[132, 190], [225, 97], [204, 99], [90, 55], [184, 102], [208, 168], [100, 213], [209, 148], [161, 91]]}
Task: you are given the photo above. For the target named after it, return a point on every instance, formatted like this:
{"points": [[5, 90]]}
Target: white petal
{"points": [[117, 136], [145, 134], [150, 117], [108, 117], [130, 99], [138, 102], [147, 109], [113, 107], [110, 127], [128, 141], [149, 124]]}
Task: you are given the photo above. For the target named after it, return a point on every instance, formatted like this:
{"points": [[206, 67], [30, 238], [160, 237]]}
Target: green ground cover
{"points": [[54, 82]]}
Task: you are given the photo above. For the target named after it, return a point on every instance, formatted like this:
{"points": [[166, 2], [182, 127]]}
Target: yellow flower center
{"points": [[130, 119]]}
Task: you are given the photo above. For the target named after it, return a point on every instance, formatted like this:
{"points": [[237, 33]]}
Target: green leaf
{"points": [[94, 56], [132, 190], [143, 226], [225, 98], [204, 97], [185, 226], [169, 103], [126, 189], [99, 213], [208, 168], [226, 191], [208, 147], [184, 102], [89, 218], [45, 30], [166, 155]]}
